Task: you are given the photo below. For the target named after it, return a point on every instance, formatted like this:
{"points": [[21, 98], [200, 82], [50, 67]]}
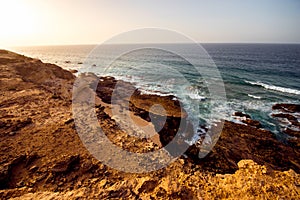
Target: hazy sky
{"points": [[50, 22]]}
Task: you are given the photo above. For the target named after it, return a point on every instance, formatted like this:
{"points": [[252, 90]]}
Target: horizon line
{"points": [[93, 44]]}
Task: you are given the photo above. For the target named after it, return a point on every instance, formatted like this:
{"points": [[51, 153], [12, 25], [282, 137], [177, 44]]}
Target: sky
{"points": [[62, 22]]}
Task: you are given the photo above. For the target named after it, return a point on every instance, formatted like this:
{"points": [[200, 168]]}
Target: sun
{"points": [[16, 19]]}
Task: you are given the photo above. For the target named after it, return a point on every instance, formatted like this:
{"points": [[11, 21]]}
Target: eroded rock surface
{"points": [[42, 156], [288, 116]]}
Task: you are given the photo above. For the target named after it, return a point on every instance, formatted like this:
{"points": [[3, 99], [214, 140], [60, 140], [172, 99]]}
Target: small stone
{"points": [[102, 183], [33, 168], [181, 161], [12, 133], [79, 183], [20, 184], [241, 114]]}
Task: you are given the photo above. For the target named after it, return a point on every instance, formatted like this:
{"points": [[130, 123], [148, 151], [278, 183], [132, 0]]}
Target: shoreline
{"points": [[41, 153]]}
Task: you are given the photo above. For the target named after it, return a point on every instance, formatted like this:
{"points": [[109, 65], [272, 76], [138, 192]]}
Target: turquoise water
{"points": [[255, 76]]}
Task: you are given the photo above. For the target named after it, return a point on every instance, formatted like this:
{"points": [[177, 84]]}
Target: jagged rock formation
{"points": [[42, 157]]}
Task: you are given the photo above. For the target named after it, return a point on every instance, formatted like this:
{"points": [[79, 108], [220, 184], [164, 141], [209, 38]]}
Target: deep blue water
{"points": [[255, 76]]}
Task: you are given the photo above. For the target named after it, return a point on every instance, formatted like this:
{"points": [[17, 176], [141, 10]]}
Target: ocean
{"points": [[255, 76]]}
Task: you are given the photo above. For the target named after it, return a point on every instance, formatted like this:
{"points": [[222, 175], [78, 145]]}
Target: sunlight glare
{"points": [[16, 19]]}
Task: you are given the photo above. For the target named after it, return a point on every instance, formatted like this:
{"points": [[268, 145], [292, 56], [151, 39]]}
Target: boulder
{"points": [[241, 114]]}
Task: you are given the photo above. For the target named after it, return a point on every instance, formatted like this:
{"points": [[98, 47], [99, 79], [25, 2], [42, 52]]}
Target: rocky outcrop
{"points": [[42, 156], [288, 116], [293, 108], [241, 114], [249, 181], [245, 118], [252, 180], [237, 141], [167, 117]]}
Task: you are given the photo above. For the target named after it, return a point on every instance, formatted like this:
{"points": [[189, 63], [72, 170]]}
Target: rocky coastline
{"points": [[42, 157]]}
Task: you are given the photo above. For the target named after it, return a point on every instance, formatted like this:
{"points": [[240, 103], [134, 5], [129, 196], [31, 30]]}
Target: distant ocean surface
{"points": [[256, 76]]}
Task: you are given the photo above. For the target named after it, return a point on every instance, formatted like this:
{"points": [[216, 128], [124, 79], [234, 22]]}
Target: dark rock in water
{"points": [[252, 122], [241, 114], [284, 115], [292, 133], [291, 117], [287, 107], [79, 63], [67, 61], [248, 119]]}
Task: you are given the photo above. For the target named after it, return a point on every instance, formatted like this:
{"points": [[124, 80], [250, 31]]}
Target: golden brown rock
{"points": [[45, 158]]}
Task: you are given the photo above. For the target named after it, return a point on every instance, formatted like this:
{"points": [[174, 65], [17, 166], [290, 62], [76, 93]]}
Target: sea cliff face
{"points": [[42, 156]]}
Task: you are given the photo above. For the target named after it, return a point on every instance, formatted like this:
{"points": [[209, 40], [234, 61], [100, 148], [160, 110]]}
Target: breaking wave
{"points": [[275, 88]]}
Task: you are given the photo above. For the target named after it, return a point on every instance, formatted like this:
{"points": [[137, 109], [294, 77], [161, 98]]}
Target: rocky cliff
{"points": [[42, 156]]}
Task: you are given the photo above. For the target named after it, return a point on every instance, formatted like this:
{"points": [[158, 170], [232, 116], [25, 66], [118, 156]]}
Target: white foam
{"points": [[275, 88], [196, 96], [237, 121], [254, 97], [158, 93], [294, 128], [174, 99]]}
